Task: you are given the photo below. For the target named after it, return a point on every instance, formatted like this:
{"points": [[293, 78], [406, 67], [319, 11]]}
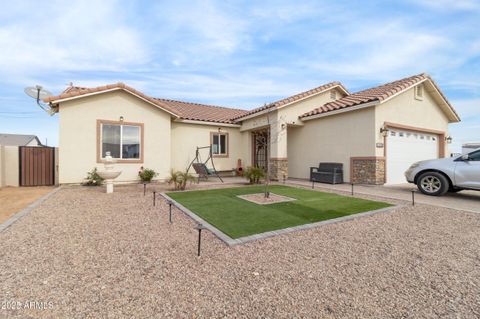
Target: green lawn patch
{"points": [[237, 217]]}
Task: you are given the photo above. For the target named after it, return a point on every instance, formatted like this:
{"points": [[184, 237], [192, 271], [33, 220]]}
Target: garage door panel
{"points": [[405, 148]]}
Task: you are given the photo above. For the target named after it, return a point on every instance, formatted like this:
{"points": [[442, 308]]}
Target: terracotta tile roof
{"points": [[203, 112], [82, 91], [72, 88], [375, 94], [294, 98], [184, 110]]}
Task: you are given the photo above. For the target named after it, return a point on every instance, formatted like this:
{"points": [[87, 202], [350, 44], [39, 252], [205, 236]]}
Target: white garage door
{"points": [[405, 148]]}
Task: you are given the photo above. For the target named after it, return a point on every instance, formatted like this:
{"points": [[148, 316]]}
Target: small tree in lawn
{"points": [[275, 131]]}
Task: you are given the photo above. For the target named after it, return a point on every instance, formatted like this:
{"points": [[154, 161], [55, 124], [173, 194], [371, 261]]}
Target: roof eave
{"points": [[212, 123], [453, 117], [339, 111], [56, 102], [271, 109]]}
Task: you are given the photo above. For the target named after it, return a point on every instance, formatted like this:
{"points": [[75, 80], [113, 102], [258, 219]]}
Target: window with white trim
{"points": [[220, 144], [122, 141]]}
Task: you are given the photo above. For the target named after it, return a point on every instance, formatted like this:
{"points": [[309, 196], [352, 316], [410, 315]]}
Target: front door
{"points": [[467, 172], [260, 149]]}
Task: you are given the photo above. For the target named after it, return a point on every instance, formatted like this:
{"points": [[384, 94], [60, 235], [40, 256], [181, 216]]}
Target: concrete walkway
{"points": [[464, 200]]}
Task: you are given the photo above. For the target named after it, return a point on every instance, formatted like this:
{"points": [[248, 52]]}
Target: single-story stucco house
{"points": [[376, 133]]}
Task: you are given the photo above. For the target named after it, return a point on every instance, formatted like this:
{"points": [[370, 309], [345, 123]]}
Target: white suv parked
{"points": [[436, 177]]}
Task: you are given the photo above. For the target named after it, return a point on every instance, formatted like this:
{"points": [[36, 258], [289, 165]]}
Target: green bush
{"points": [[93, 179], [254, 174], [180, 179], [147, 174]]}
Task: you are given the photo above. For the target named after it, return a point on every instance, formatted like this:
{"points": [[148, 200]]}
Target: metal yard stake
{"points": [[352, 189], [199, 227], [170, 211], [413, 197], [313, 184], [154, 193], [144, 188]]}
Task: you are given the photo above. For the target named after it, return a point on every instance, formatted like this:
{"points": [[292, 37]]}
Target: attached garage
{"points": [[404, 122], [403, 148]]}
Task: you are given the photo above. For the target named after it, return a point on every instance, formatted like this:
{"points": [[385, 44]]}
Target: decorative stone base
{"points": [[367, 170], [278, 169]]}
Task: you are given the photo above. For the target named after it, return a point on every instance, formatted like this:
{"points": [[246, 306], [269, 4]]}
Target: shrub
{"points": [[147, 174], [93, 179], [180, 179], [254, 174]]}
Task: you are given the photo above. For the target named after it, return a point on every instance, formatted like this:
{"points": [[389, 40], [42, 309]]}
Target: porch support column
{"points": [[278, 163]]}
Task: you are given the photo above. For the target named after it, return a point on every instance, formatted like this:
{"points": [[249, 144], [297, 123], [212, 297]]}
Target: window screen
{"points": [[122, 141], [111, 140], [219, 144]]}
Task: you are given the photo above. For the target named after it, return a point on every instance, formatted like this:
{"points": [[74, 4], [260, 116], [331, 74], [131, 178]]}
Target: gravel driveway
{"points": [[87, 254]]}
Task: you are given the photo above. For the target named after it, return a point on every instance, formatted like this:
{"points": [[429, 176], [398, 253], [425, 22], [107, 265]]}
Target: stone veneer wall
{"points": [[368, 170], [278, 168]]}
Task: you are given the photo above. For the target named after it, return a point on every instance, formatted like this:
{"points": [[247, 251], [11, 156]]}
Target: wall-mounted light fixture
{"points": [[283, 126], [219, 130], [121, 118], [384, 131], [448, 139]]}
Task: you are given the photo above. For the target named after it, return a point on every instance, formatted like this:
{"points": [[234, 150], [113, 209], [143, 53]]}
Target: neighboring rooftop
{"points": [[377, 94], [471, 145], [17, 139]]}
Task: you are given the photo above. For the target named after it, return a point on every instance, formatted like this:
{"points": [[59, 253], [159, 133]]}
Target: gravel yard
{"points": [[96, 255], [14, 199]]}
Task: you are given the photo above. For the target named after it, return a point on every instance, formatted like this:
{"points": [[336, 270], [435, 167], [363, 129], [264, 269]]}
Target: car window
{"points": [[475, 156]]}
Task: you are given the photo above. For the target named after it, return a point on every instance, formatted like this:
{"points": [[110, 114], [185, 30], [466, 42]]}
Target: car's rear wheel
{"points": [[432, 183]]}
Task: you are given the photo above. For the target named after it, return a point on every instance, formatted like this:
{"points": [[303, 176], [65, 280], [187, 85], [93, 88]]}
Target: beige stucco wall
{"points": [[404, 109], [333, 138], [287, 115], [9, 173], [78, 135], [186, 138]]}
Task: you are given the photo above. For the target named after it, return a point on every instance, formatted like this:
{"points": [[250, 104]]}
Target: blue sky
{"points": [[235, 53]]}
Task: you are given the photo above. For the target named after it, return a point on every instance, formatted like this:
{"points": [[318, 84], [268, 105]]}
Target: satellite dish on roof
{"points": [[39, 93]]}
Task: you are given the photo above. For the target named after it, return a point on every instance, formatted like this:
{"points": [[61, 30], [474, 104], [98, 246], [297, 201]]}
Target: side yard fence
{"points": [[28, 166]]}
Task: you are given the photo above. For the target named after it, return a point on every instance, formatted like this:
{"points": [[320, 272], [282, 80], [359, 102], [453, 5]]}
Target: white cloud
{"points": [[70, 36]]}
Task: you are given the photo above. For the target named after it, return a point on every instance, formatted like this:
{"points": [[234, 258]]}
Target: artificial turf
{"points": [[237, 217]]}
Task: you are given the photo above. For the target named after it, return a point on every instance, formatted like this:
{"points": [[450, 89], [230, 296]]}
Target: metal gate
{"points": [[260, 149], [37, 166]]}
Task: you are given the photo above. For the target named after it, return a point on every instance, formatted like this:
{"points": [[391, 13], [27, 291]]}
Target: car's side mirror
{"points": [[465, 157]]}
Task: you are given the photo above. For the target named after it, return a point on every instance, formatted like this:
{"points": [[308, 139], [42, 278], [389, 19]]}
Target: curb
{"points": [[27, 210]]}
